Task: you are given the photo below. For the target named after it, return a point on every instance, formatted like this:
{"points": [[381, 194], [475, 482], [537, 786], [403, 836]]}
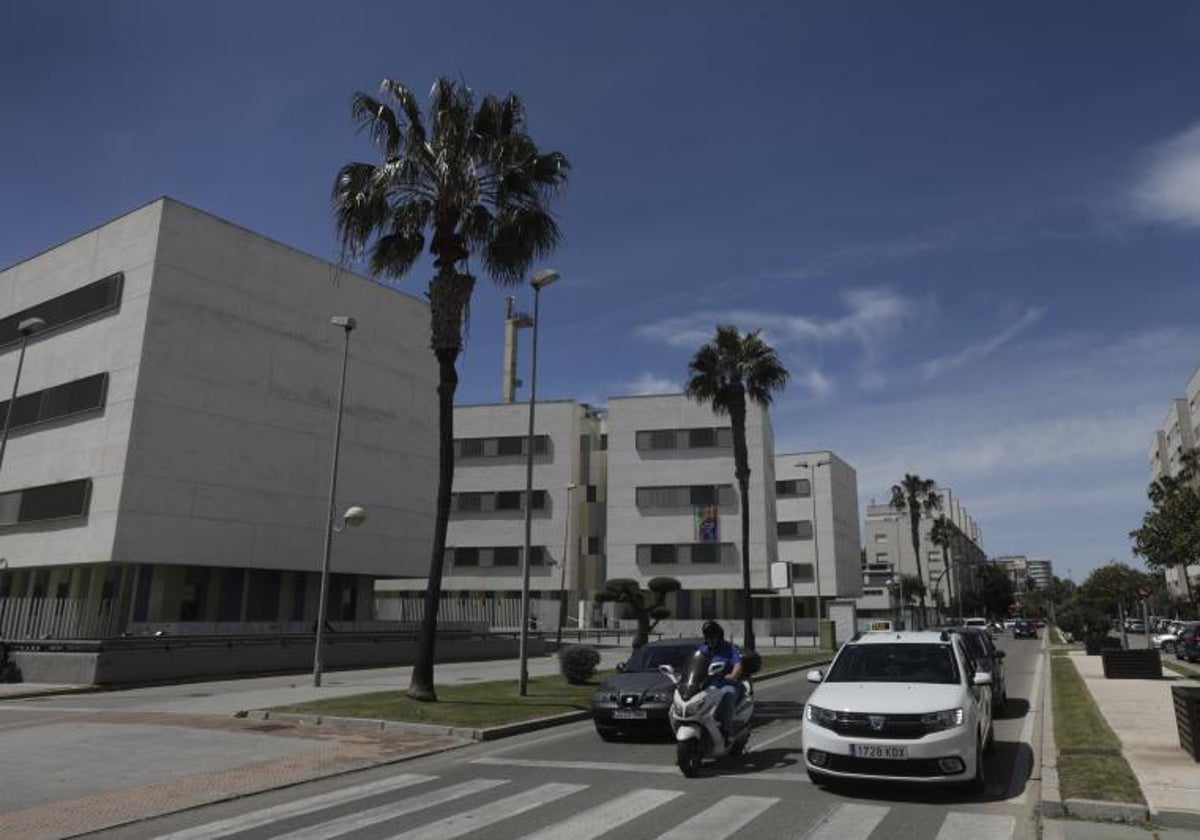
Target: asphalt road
{"points": [[565, 783]]}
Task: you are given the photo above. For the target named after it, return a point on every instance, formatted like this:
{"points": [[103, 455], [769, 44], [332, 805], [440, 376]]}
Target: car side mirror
{"points": [[620, 666], [815, 676], [982, 678]]}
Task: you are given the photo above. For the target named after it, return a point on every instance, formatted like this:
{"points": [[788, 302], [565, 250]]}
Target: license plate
{"points": [[878, 751], [626, 714]]}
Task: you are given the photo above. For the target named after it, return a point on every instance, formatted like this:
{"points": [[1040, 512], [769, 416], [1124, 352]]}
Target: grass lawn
{"points": [[486, 704], [1090, 764]]}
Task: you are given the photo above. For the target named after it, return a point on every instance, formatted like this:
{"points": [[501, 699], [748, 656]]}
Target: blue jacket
{"points": [[727, 653]]}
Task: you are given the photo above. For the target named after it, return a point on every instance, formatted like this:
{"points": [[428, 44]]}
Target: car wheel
{"points": [[606, 734], [1168, 647], [978, 783]]}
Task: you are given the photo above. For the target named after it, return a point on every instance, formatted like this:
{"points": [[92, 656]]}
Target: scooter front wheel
{"points": [[687, 755]]}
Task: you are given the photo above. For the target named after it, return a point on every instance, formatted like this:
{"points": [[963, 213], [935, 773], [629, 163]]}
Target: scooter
{"points": [[693, 714]]}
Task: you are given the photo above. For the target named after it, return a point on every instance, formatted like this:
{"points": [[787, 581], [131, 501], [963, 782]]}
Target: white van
{"points": [[976, 622]]}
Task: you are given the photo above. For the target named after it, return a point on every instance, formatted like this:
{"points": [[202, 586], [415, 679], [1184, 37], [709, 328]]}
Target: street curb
{"points": [[1093, 809], [1051, 803], [491, 733], [51, 692]]}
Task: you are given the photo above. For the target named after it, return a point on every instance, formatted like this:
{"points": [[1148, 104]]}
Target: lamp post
{"points": [[26, 328], [539, 281], [562, 572], [346, 323], [812, 492]]}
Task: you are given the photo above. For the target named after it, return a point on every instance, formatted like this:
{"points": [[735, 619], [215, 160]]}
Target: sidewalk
{"points": [[1142, 715]]}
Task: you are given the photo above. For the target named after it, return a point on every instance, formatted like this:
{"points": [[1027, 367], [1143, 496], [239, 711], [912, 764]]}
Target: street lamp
{"points": [[26, 328], [562, 572], [353, 516], [539, 280], [812, 492]]}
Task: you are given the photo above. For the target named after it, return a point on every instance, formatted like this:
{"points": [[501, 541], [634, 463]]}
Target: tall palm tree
{"points": [[475, 182], [943, 534], [917, 496], [724, 373]]}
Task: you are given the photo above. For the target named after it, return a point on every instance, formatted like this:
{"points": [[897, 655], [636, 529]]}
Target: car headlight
{"points": [[937, 721], [819, 716], [663, 696]]}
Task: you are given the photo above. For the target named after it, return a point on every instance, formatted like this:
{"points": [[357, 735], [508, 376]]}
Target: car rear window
{"points": [[649, 658], [898, 663], [976, 645]]}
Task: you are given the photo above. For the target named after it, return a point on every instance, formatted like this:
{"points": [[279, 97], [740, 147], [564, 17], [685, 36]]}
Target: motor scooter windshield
{"points": [[695, 674]]}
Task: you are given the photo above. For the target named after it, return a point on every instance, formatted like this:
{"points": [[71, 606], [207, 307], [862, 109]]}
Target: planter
{"points": [[1187, 718], [1132, 664]]}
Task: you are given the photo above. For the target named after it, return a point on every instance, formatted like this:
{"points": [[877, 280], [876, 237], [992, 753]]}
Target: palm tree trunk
{"points": [[741, 466], [449, 294], [914, 521], [1187, 584]]}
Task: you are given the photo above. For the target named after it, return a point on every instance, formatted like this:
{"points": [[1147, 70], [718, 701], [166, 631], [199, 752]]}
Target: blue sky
{"points": [[971, 230]]}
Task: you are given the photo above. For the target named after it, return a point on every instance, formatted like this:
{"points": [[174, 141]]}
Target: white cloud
{"points": [[647, 383], [873, 314], [1168, 188], [982, 349], [817, 382]]}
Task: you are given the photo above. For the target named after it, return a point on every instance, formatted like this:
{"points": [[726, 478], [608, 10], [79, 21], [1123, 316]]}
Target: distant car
{"points": [[1135, 626], [1038, 623], [976, 622], [1188, 646], [989, 659], [1024, 629], [635, 700]]}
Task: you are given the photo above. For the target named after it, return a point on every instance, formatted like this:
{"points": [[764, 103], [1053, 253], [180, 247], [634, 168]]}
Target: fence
{"points": [[56, 618], [495, 613]]}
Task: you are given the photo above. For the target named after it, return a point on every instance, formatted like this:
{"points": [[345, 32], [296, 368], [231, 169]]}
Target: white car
{"points": [[909, 706]]}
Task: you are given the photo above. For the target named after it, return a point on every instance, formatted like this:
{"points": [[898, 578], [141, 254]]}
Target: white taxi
{"points": [[908, 705]]}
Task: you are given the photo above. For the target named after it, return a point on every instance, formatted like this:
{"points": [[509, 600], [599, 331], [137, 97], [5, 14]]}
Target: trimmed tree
{"points": [[647, 613], [474, 182], [724, 374]]}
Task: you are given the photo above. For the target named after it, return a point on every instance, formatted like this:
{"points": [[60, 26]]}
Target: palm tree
{"points": [[917, 496], [724, 373], [473, 180], [943, 534]]}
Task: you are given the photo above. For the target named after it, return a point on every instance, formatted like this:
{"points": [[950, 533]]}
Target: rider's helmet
{"points": [[713, 633]]}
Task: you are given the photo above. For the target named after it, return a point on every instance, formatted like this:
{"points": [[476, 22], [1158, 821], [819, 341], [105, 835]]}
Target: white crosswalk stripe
{"points": [[245, 822], [596, 821], [465, 822], [848, 822], [722, 819], [626, 767], [374, 816], [961, 826]]}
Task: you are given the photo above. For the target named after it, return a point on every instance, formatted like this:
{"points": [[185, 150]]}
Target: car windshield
{"points": [[976, 645], [649, 658], [897, 663]]}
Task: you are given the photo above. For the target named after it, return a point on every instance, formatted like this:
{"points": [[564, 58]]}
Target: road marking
{"points": [[1022, 767], [963, 826], [622, 767], [848, 822], [223, 828], [760, 744], [722, 819], [373, 816], [465, 822], [604, 818]]}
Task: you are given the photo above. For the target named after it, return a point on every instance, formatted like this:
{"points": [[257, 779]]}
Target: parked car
{"points": [[1187, 647], [1135, 626], [1167, 636], [1024, 629], [911, 706], [636, 698], [989, 659]]}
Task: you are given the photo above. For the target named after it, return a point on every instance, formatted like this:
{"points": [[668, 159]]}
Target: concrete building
{"points": [[1025, 572], [1179, 433], [486, 536], [888, 555], [169, 460], [816, 522]]}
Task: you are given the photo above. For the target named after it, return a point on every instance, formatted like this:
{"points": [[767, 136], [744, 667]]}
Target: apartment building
{"points": [[485, 540], [1025, 573], [169, 458], [888, 554], [816, 524], [1179, 433]]}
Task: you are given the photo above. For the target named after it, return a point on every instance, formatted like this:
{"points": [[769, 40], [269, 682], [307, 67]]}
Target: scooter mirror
{"points": [[715, 668], [668, 670]]}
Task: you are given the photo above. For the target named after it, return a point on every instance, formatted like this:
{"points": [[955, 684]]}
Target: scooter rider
{"points": [[730, 656]]}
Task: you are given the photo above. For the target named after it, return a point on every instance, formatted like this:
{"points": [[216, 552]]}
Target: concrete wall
{"points": [[229, 461]]}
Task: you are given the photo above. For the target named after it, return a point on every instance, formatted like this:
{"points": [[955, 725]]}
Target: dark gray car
{"points": [[636, 699], [987, 658]]}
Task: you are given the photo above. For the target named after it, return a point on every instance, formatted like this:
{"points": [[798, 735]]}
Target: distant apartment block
{"points": [[170, 450], [1179, 432], [1025, 573]]}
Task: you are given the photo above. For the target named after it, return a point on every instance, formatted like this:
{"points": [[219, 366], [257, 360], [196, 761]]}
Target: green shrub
{"points": [[578, 663]]}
